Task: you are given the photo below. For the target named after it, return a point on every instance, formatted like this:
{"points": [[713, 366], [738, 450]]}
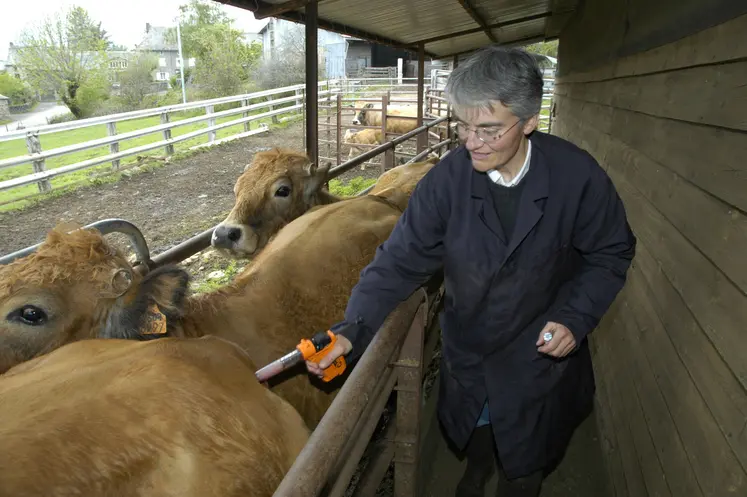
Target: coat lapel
{"points": [[530, 205], [484, 205]]}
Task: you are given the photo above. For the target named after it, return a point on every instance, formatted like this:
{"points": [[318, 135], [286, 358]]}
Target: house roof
{"points": [[445, 27], [155, 39], [3, 97]]}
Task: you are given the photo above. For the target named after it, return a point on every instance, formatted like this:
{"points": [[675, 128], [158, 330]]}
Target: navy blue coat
{"points": [[566, 262]]}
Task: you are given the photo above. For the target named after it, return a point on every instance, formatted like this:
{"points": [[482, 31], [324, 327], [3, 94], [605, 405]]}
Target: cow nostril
{"points": [[234, 234]]}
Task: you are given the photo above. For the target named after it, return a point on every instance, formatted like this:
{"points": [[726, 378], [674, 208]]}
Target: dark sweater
{"points": [[506, 203]]}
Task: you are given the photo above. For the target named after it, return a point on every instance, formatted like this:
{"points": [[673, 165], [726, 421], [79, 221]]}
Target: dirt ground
{"points": [[169, 204]]}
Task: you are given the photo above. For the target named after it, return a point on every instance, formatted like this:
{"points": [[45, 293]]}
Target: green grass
{"points": [[352, 187], [229, 272], [11, 198]]}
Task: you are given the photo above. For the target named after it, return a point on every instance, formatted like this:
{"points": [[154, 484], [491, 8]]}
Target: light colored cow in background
{"points": [[365, 137]]}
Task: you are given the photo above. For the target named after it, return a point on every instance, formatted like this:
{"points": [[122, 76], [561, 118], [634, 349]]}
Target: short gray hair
{"points": [[511, 76]]}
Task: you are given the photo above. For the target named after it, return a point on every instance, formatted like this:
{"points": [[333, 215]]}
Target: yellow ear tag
{"points": [[155, 321]]}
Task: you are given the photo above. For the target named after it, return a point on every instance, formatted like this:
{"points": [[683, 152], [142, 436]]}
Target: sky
{"points": [[124, 20]]}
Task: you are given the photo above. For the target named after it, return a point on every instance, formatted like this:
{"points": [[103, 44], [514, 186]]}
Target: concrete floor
{"points": [[580, 474]]}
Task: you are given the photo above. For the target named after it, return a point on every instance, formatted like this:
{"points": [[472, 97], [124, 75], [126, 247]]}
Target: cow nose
{"points": [[226, 236], [355, 121]]}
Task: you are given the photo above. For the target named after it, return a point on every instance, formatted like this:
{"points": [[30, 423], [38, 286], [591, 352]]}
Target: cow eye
{"points": [[283, 191], [29, 314]]}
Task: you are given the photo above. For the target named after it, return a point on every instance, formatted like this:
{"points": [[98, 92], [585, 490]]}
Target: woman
{"points": [[535, 245]]}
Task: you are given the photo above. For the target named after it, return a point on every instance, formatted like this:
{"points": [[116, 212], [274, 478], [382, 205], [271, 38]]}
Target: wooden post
{"points": [[111, 129], [339, 129], [248, 124], [34, 147], [211, 122], [312, 76], [422, 137], [165, 118]]}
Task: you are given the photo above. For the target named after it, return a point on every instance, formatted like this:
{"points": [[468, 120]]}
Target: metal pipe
{"points": [[185, 249], [105, 226], [312, 74], [422, 139], [422, 155], [313, 465]]}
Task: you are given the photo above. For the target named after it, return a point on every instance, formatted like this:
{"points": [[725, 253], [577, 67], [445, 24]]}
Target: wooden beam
{"points": [[478, 19], [312, 88], [272, 10], [496, 25], [522, 41]]}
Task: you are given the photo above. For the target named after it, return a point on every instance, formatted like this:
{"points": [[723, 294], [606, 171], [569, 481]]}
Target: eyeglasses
{"points": [[486, 134]]}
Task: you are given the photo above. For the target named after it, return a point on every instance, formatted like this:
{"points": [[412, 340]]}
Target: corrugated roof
{"points": [[446, 27]]}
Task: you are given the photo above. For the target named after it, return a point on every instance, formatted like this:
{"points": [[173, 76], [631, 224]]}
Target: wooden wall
{"points": [[657, 92]]}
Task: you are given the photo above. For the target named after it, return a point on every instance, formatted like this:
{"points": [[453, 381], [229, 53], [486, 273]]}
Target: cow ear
{"points": [[318, 178], [152, 309], [368, 106]]}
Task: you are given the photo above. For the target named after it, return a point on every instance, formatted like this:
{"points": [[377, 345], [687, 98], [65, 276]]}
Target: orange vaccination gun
{"points": [[309, 349]]}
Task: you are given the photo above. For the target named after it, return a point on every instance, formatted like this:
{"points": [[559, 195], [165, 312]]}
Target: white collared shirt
{"points": [[498, 177]]}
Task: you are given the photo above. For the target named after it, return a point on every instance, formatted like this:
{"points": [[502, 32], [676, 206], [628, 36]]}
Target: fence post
{"points": [[384, 108], [211, 122], [339, 128], [165, 119], [272, 107], [328, 122], [248, 124], [111, 129], [409, 370], [34, 147]]}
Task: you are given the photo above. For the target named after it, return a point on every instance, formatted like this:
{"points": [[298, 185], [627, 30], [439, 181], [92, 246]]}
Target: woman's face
{"points": [[492, 137]]}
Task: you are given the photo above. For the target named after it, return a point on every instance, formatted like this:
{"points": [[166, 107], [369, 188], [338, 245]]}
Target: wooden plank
{"points": [[715, 467], [675, 473], [710, 158], [722, 43], [716, 228], [617, 399], [717, 303], [725, 396], [712, 95], [601, 357], [633, 381]]}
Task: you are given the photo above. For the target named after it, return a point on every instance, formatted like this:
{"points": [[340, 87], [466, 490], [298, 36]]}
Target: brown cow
{"points": [[241, 235], [75, 286], [172, 417], [371, 116], [365, 137], [277, 187], [404, 177]]}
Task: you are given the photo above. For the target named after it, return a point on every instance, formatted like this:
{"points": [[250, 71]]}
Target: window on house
{"points": [[191, 62], [162, 62], [162, 76]]}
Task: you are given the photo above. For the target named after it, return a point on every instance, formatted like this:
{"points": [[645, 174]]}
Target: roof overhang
{"points": [[445, 27]]}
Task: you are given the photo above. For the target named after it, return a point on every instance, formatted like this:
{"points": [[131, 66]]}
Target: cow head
{"points": [[349, 134], [70, 288], [276, 188], [360, 118]]}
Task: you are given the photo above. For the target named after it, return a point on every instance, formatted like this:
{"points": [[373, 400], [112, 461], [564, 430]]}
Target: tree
{"points": [[65, 53], [287, 66], [15, 90], [549, 48], [223, 58], [136, 81]]}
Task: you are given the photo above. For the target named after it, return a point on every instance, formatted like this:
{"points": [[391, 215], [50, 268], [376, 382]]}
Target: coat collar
{"points": [[530, 208]]}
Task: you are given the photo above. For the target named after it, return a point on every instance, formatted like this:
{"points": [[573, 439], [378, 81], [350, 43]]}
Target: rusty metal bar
{"points": [[422, 140], [185, 249], [312, 91], [339, 128], [384, 111], [313, 465], [409, 398], [422, 155]]}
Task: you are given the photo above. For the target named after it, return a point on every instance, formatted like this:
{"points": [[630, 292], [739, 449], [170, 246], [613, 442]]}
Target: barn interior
{"points": [[655, 92]]}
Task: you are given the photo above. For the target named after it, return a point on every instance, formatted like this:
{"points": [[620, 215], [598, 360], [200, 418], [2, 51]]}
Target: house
{"points": [[332, 47], [155, 41]]}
